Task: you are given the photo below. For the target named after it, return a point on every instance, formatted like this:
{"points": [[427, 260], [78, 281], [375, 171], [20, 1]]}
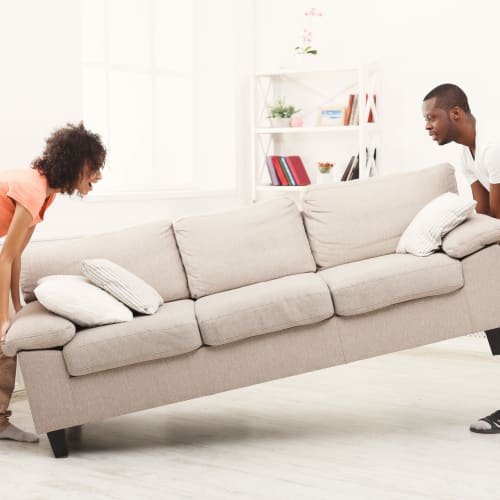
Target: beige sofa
{"points": [[255, 294]]}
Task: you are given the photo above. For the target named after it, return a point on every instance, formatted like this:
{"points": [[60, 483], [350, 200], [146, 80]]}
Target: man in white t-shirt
{"points": [[448, 119]]}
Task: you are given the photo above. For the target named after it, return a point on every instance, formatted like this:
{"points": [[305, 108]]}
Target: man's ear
{"points": [[455, 113]]}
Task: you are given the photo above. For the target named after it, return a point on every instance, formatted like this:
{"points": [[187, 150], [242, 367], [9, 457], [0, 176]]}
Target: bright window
{"points": [[158, 85]]}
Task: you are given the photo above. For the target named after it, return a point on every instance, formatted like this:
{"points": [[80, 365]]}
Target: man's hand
{"points": [[4, 326], [17, 307]]}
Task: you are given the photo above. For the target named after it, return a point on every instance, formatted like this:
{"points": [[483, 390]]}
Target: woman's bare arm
{"points": [[11, 249]]}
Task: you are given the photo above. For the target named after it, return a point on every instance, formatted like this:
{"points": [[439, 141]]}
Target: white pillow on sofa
{"points": [[122, 285], [424, 234], [78, 300]]}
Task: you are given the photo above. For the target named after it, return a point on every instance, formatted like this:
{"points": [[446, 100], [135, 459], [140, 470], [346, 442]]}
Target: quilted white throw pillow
{"points": [[78, 300], [122, 285], [424, 234]]}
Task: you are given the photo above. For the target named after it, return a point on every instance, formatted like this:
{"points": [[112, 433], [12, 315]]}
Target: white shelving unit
{"points": [[310, 89]]}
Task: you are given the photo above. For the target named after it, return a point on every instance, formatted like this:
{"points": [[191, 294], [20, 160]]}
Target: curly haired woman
{"points": [[72, 161]]}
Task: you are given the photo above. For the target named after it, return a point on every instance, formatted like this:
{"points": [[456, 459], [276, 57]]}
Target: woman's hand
{"points": [[4, 326]]}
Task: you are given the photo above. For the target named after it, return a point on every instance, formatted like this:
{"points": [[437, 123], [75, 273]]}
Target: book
{"points": [[355, 108], [279, 171], [286, 171], [349, 109], [272, 172], [356, 111], [298, 170], [354, 173], [347, 170]]}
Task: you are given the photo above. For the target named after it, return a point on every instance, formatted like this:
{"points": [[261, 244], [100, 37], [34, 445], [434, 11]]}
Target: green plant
{"points": [[325, 167], [281, 110], [305, 50]]}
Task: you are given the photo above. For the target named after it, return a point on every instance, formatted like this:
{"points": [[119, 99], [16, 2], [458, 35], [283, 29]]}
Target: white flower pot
{"points": [[305, 61], [324, 178], [280, 122]]}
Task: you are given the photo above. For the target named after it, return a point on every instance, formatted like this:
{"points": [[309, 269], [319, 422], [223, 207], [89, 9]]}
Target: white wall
{"points": [[40, 75], [418, 45]]}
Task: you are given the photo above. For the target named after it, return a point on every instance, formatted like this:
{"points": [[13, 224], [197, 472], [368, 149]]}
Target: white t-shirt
{"points": [[485, 168]]}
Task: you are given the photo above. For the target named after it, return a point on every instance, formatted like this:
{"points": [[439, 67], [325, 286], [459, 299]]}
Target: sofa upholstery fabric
{"points": [[356, 220], [172, 331], [371, 284], [233, 249], [148, 250], [263, 308], [154, 360]]}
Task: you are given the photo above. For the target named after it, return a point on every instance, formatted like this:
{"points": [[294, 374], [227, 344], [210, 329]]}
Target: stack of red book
{"points": [[287, 171]]}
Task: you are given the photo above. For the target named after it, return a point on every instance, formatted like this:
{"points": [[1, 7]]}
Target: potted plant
{"points": [[325, 167], [324, 176], [280, 113], [304, 52]]}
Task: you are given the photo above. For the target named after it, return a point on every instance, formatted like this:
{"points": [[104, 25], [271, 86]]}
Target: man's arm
{"points": [[481, 195], [15, 273], [495, 200]]}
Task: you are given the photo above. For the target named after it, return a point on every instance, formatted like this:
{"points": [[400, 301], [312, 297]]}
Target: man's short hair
{"points": [[448, 96]]}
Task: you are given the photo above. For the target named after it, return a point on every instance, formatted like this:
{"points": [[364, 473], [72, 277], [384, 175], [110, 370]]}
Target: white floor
{"points": [[392, 427]]}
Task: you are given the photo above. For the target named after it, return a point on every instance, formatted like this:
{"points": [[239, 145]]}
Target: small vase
{"points": [[324, 177], [304, 61], [280, 122]]}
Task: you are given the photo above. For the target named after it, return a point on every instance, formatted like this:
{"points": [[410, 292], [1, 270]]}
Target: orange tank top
{"points": [[27, 187]]}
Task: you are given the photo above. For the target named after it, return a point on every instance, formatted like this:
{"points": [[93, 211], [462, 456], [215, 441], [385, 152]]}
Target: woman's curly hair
{"points": [[66, 152]]}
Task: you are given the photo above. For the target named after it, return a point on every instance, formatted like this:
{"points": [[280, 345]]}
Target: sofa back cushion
{"points": [[147, 250], [355, 220], [228, 250]]}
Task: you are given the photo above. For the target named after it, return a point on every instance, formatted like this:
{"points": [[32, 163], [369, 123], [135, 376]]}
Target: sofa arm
{"points": [[36, 328], [475, 233]]}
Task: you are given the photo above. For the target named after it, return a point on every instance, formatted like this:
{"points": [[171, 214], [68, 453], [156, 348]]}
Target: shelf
{"points": [[311, 87], [305, 70], [308, 130], [282, 188]]}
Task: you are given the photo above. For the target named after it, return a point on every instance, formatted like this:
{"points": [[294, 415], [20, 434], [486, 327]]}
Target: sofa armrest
{"points": [[36, 328], [477, 232]]}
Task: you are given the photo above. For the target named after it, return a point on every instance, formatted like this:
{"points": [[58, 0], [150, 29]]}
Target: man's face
{"points": [[88, 178], [438, 122]]}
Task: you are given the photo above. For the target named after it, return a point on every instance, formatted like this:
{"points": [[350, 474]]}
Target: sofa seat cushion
{"points": [[261, 308], [173, 330], [367, 285]]}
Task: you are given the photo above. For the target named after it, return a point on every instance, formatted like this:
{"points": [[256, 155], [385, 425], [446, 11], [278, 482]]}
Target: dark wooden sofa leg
{"points": [[493, 337], [58, 443]]}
